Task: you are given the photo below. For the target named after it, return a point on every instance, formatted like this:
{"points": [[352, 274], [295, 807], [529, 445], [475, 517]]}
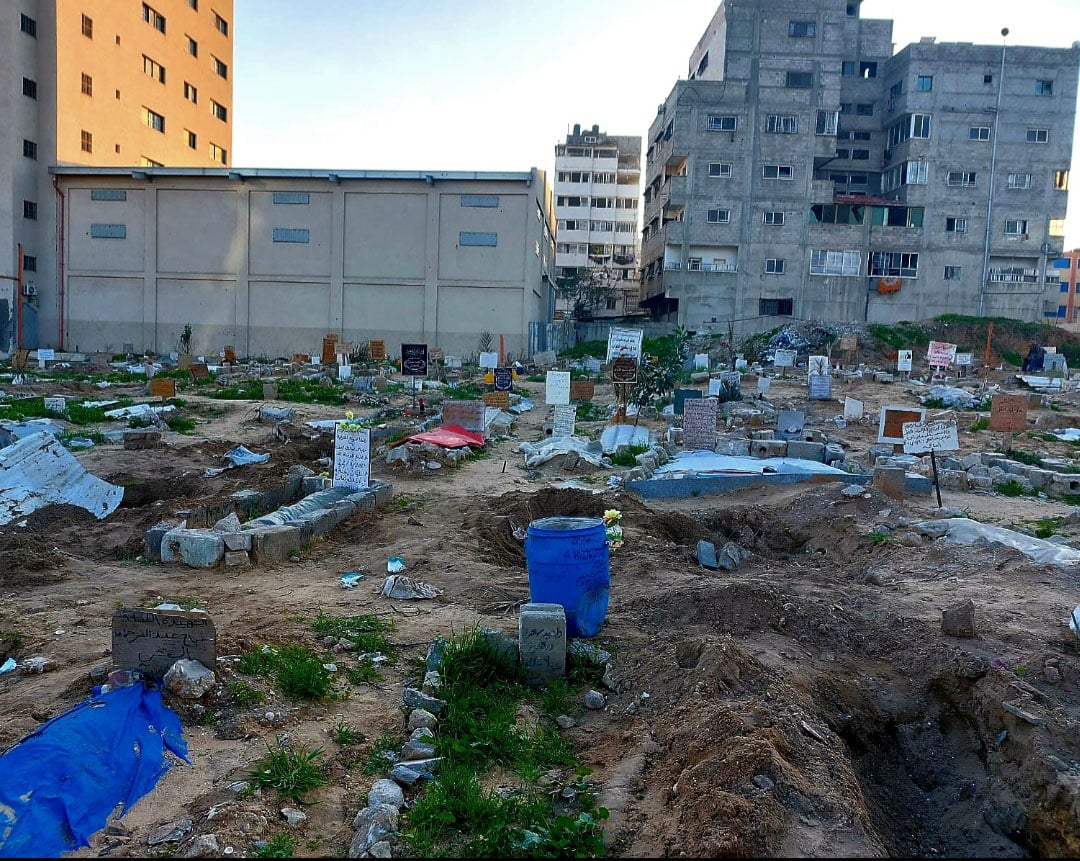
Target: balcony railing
{"points": [[1014, 276], [701, 267]]}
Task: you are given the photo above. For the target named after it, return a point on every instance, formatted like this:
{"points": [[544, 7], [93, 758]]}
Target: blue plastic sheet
{"points": [[59, 785]]}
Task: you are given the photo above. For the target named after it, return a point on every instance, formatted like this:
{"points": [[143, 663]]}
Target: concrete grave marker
{"points": [[542, 641], [270, 390], [784, 358], [453, 362], [701, 361], [763, 384], [184, 362], [715, 385], [362, 384], [352, 457], [790, 424], [557, 390], [489, 360], [497, 399], [565, 420], [103, 360], [545, 359], [55, 405], [682, 396], [200, 371], [699, 424], [853, 410], [151, 641], [465, 414], [892, 419], [817, 366], [1008, 413], [819, 387], [924, 437], [903, 360], [344, 372], [593, 366], [1051, 362]]}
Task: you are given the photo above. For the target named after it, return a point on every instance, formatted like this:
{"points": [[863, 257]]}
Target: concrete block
{"points": [[314, 483], [834, 452], [542, 641], [275, 542], [736, 447], [877, 451], [984, 482], [763, 434], [235, 541], [706, 555], [384, 493], [769, 448], [954, 479], [970, 460], [152, 539], [141, 438], [1064, 483], [1039, 478], [890, 480], [806, 450], [812, 436], [236, 558], [197, 548], [949, 463], [919, 484], [363, 500]]}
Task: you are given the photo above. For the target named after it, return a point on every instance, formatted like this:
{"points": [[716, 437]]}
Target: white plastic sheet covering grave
{"points": [[706, 463], [140, 410], [542, 452], [37, 471], [614, 436], [1067, 434], [961, 530]]}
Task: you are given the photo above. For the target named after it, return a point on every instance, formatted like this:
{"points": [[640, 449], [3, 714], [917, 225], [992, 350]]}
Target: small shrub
{"points": [[181, 424], [367, 632], [281, 846], [1030, 458], [1045, 527], [364, 673], [345, 735], [1011, 488], [980, 424], [628, 455], [301, 675], [246, 695], [291, 772]]}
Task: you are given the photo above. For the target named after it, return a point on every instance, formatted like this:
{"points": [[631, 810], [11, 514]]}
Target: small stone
{"points": [[418, 700], [595, 700], [958, 620], [346, 645], [853, 490], [385, 791], [379, 850], [730, 556], [421, 734], [763, 782], [294, 558], [1051, 675], [608, 680], [239, 786], [228, 524], [169, 832], [293, 816], [203, 846], [422, 719], [408, 773], [36, 665], [236, 558], [372, 825], [706, 555], [413, 750], [432, 681], [117, 829], [189, 679], [565, 721]]}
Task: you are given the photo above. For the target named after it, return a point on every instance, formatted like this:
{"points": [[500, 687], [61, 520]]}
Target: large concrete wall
{"points": [[378, 258]]}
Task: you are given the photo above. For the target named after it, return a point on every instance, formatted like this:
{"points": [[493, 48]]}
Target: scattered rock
{"points": [[379, 850], [959, 619], [414, 750], [706, 555], [422, 719], [582, 650], [565, 721], [764, 783], [432, 681], [387, 792], [189, 679], [203, 846], [408, 773], [228, 524], [169, 832], [421, 734], [1051, 675], [36, 665], [609, 681], [418, 700], [1024, 713], [294, 817], [372, 824], [731, 556], [595, 700], [853, 490]]}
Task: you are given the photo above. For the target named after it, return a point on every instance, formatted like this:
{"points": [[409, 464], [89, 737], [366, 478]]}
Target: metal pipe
{"points": [[60, 218], [984, 283]]}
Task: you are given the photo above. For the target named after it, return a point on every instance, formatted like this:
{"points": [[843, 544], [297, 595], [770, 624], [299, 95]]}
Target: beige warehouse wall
{"points": [[196, 232], [385, 235], [312, 259]]}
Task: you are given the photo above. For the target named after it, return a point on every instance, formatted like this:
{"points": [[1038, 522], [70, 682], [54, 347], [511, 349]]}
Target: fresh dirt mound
{"points": [[30, 560], [672, 527], [49, 518], [140, 491]]}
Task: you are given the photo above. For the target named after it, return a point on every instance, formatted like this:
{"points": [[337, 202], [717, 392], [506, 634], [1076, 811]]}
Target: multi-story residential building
{"points": [[597, 189], [99, 82], [804, 170], [269, 261]]}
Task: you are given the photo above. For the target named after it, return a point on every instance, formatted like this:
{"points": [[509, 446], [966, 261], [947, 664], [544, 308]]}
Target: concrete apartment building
{"points": [[597, 192], [99, 82], [269, 261], [804, 170]]}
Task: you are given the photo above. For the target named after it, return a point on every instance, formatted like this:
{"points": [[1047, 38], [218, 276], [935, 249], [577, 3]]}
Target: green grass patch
{"points": [[403, 502], [364, 672], [346, 735], [467, 392], [19, 409], [292, 772], [980, 424], [899, 336], [587, 411], [281, 846], [1030, 458], [181, 424], [245, 695], [368, 632], [1011, 488], [296, 670], [536, 378], [309, 391], [585, 349], [628, 455], [1045, 527], [376, 763]]}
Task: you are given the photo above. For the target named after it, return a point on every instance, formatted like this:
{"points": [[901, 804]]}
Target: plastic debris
{"points": [[349, 581], [961, 530], [239, 456], [394, 564], [405, 588], [8, 666]]}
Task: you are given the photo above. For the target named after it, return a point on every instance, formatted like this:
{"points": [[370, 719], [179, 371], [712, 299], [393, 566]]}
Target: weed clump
{"points": [[292, 772]]}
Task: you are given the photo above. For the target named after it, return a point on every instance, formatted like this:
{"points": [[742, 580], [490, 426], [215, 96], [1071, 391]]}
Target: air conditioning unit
{"points": [[29, 289]]}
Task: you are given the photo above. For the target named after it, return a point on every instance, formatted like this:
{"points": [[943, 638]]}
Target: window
{"points": [[221, 68], [826, 122], [721, 123], [108, 194], [720, 169], [776, 307], [626, 203], [896, 90], [146, 161], [864, 109], [704, 64], [154, 18], [867, 70], [29, 88], [29, 149], [87, 85], [801, 29], [485, 201], [829, 213], [87, 141], [219, 111], [29, 210], [1038, 135], [956, 225], [1056, 227], [897, 216], [860, 154], [924, 83], [920, 125], [843, 153], [301, 198], [848, 68], [192, 47], [192, 139], [1019, 180], [963, 178], [153, 69], [29, 263], [292, 234], [190, 93], [719, 216], [88, 26], [979, 133], [892, 264], [221, 24], [108, 231], [772, 218], [486, 240], [571, 200], [782, 125], [845, 107], [153, 119], [1015, 227], [799, 80], [28, 25], [774, 266], [776, 171], [693, 264], [953, 273], [1044, 88], [1061, 180], [218, 154]]}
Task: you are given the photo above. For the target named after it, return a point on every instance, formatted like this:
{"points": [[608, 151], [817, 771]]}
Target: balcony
{"points": [[1015, 275], [675, 266]]}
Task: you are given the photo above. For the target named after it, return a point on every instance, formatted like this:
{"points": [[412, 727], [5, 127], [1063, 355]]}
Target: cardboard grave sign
{"points": [[715, 387], [820, 387], [924, 437], [466, 414], [699, 424], [848, 343], [565, 420], [817, 366], [329, 349], [1008, 413], [489, 360], [557, 390], [701, 361], [763, 384], [892, 419], [184, 362], [903, 360], [19, 359], [853, 410], [624, 342], [582, 390], [940, 354], [151, 641], [230, 354], [377, 350], [504, 379], [790, 424], [682, 396], [436, 354], [162, 388], [784, 358], [352, 457], [414, 360], [497, 399], [624, 370], [56, 405], [200, 371]]}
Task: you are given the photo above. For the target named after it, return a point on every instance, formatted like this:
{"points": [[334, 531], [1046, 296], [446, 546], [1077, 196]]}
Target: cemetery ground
{"points": [[807, 703]]}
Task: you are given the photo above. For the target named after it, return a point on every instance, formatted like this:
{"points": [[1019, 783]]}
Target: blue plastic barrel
{"points": [[568, 564]]}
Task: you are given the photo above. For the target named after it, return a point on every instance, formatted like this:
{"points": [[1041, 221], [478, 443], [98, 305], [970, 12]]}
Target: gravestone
{"points": [[377, 350], [582, 390], [1053, 362], [489, 360], [497, 399], [56, 405], [903, 360], [352, 457], [545, 359], [453, 362], [557, 390], [565, 420], [853, 410], [344, 372], [790, 424], [891, 422], [363, 384], [102, 361], [682, 396], [504, 379], [162, 388], [200, 371], [1008, 413], [763, 384], [699, 424], [542, 641], [701, 361], [465, 414], [820, 387], [151, 641], [270, 391], [414, 360], [624, 370]]}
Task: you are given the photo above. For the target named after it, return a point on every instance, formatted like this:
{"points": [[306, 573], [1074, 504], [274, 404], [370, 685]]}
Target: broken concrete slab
{"points": [[706, 555], [958, 620], [197, 548]]}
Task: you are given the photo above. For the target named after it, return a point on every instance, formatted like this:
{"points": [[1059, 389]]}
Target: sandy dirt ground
{"points": [[807, 704]]}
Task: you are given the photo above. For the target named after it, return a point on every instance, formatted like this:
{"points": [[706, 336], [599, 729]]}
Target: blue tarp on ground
{"points": [[61, 784]]}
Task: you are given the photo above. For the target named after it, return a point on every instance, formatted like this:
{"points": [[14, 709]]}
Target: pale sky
{"points": [[494, 85]]}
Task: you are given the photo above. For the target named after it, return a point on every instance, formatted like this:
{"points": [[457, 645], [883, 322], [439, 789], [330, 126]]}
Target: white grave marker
{"points": [[55, 405], [624, 342], [903, 360], [489, 360], [853, 410], [784, 358], [701, 361], [763, 384], [923, 437], [715, 385], [344, 372], [352, 457], [565, 420], [817, 366], [557, 390]]}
